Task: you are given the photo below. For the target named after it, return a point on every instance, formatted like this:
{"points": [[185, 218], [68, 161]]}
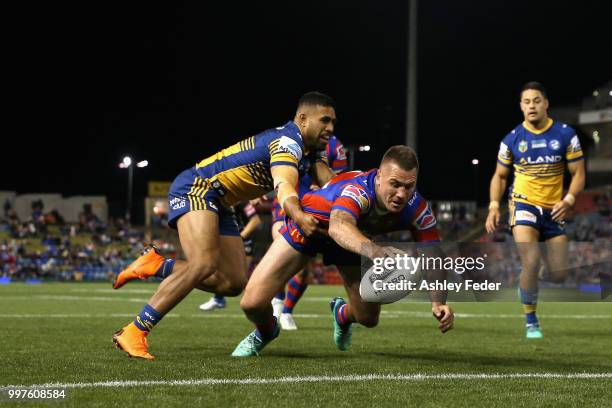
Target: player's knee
{"points": [[232, 288], [251, 305], [201, 269], [367, 320], [530, 266], [558, 277]]}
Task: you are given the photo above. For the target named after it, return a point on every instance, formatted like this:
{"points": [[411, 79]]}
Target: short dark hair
{"points": [[314, 98], [403, 156], [535, 86]]}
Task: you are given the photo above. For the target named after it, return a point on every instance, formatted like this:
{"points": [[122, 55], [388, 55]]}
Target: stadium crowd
{"points": [[45, 246]]}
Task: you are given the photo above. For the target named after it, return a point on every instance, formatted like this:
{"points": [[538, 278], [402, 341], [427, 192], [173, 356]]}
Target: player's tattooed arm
{"points": [[343, 229]]}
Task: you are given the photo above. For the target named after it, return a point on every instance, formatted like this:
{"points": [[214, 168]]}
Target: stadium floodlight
{"points": [[475, 162], [610, 93], [364, 148], [127, 164]]}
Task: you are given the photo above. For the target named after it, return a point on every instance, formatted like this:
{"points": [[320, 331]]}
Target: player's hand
{"points": [[257, 201], [492, 220], [386, 252], [308, 224], [444, 314], [560, 210]]}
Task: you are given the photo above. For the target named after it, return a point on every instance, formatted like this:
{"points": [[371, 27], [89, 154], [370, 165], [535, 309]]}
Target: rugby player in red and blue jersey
{"points": [[355, 206]]}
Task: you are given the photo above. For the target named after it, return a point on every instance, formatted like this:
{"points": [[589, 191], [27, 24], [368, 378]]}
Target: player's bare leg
{"points": [[557, 258], [355, 311], [199, 236], [361, 312], [279, 298], [275, 269], [223, 281], [526, 239], [230, 276]]}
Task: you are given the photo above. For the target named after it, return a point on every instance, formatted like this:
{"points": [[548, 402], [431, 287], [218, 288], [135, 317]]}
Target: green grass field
{"points": [[60, 333]]}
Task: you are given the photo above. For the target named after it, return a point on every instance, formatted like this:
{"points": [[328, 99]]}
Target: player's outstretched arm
{"points": [[343, 229], [285, 182], [497, 188]]}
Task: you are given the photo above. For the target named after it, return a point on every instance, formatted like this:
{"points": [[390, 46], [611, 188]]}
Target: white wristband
{"points": [[494, 205], [570, 199]]}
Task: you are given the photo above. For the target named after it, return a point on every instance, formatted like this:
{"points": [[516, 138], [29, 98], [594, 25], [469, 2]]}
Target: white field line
{"points": [[109, 290], [71, 298], [319, 379], [222, 315]]}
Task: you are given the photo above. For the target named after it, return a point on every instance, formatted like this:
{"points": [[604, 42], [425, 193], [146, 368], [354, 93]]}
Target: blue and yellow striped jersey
{"points": [[242, 171], [539, 158]]}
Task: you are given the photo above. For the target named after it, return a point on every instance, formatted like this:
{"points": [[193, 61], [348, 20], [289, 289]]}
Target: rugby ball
{"points": [[388, 285]]}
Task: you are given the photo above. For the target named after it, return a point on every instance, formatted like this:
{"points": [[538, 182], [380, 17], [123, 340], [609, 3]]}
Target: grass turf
{"points": [[61, 333]]}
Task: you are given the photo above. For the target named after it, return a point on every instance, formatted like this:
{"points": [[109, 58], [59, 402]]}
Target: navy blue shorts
{"points": [[332, 253], [190, 192], [536, 217]]}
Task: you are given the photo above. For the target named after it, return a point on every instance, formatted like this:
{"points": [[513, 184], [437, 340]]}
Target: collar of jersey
{"points": [[527, 126], [299, 132]]}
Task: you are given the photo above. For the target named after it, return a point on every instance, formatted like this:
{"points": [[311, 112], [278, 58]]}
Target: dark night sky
{"points": [[173, 85]]}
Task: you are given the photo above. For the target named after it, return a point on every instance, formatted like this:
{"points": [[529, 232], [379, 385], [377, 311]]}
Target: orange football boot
{"points": [[133, 341], [142, 268]]}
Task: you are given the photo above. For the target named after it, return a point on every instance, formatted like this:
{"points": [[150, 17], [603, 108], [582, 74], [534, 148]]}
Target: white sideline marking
{"points": [[221, 315], [70, 298], [123, 290], [494, 316], [314, 379]]}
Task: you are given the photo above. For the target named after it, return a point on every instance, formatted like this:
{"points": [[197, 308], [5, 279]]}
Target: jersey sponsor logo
{"points": [[519, 196], [575, 144], [213, 206], [504, 152], [177, 202], [538, 144], [412, 199], [544, 159], [288, 145], [522, 215], [425, 220], [358, 195], [554, 144], [522, 147]]}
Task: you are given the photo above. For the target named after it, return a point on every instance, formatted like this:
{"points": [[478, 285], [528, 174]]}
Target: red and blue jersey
{"points": [[354, 192], [336, 155]]}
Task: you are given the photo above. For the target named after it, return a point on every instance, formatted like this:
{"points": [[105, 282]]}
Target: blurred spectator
{"points": [[7, 208]]}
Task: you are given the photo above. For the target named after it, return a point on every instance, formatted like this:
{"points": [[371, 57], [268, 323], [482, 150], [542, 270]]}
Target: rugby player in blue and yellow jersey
{"points": [[538, 150], [199, 203]]}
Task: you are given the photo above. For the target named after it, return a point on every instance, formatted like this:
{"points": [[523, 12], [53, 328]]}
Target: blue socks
{"points": [[529, 300], [147, 318], [165, 269]]}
